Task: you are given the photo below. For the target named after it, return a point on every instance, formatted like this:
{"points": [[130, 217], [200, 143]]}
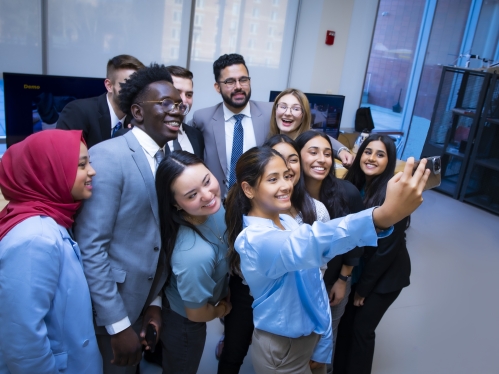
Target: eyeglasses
{"points": [[295, 110], [169, 106], [231, 82]]}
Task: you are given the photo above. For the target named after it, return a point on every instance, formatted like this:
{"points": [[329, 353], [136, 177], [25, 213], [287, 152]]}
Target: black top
{"points": [[387, 267], [351, 258]]}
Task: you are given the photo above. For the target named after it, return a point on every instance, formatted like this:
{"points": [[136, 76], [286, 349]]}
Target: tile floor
{"points": [[445, 321]]}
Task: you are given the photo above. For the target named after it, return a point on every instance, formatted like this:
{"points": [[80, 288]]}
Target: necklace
{"points": [[217, 234]]}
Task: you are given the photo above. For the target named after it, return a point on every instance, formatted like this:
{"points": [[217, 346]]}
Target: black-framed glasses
{"points": [[169, 106], [231, 82]]}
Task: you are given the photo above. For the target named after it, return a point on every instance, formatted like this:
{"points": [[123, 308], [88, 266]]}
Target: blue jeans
{"points": [[183, 343]]}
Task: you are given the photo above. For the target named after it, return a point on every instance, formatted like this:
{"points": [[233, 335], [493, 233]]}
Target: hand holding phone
{"points": [[433, 163], [151, 335]]}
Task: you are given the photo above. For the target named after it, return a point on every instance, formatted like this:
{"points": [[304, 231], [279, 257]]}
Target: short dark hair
{"points": [[180, 72], [227, 60], [122, 62], [135, 86]]}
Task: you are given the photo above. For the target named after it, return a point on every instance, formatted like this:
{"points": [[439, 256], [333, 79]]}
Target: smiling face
{"points": [[374, 159], [272, 195], [317, 158], [289, 121], [197, 192], [82, 187], [292, 159], [184, 88], [152, 117], [237, 97]]}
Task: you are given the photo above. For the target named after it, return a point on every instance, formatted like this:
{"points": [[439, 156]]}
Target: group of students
{"points": [[274, 259]]}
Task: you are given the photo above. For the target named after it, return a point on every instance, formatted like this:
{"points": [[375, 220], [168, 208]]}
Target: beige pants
{"points": [[278, 354]]}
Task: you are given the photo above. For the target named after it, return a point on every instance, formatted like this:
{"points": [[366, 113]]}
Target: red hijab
{"points": [[37, 175]]}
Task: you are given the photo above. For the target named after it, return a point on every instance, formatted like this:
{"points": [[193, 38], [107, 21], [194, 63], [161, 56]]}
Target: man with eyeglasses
{"points": [[118, 228], [189, 139], [100, 118], [235, 125]]}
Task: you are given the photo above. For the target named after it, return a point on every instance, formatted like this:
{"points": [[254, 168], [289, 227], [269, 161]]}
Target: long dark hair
{"points": [[375, 190], [170, 218], [300, 199], [249, 169], [332, 194]]}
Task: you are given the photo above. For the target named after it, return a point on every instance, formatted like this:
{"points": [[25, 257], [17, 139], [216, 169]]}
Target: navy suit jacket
{"points": [[89, 115]]}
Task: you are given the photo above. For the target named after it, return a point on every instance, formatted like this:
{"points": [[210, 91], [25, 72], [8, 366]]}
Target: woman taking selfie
{"points": [[384, 270], [46, 312], [280, 259], [340, 198], [193, 238], [291, 116], [304, 209]]}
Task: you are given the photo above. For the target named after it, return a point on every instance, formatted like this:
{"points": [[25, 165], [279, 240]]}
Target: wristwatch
{"points": [[343, 277]]}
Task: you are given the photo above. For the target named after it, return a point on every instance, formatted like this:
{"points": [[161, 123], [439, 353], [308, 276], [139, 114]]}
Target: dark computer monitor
{"points": [[33, 102], [326, 111]]}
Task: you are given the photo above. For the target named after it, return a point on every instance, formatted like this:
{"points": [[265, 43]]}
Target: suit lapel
{"points": [[258, 121], [145, 170], [104, 118], [193, 139], [217, 124]]}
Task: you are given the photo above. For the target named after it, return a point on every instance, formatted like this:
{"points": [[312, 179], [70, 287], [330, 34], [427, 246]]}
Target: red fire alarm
{"points": [[330, 37]]}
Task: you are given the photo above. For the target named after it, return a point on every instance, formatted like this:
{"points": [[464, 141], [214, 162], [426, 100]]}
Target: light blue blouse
{"points": [[281, 269], [45, 307], [199, 268]]}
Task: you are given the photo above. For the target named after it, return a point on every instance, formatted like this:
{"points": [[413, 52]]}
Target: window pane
{"points": [[444, 44], [259, 31], [390, 63], [83, 35]]}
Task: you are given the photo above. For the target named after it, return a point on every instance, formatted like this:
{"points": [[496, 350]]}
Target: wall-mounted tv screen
{"points": [[33, 102], [326, 111]]}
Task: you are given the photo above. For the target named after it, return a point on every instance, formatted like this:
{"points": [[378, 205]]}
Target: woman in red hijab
{"points": [[46, 312]]}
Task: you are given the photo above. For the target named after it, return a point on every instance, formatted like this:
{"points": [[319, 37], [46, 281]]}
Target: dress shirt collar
{"points": [[287, 221], [114, 117], [228, 114], [146, 142]]}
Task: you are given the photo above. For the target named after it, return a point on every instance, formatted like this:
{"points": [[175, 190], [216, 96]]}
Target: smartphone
{"points": [[433, 163], [151, 336]]}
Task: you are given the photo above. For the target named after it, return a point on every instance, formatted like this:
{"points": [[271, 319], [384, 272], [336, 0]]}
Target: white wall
{"points": [[340, 68]]}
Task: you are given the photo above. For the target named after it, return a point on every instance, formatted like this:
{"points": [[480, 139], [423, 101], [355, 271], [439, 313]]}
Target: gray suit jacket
{"points": [[117, 230], [211, 122]]}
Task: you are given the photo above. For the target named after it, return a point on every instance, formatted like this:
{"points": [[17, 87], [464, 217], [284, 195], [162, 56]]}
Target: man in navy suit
{"points": [[100, 117], [189, 139]]}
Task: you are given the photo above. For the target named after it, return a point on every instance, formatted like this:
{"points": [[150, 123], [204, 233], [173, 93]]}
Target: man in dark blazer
{"points": [[189, 139], [99, 117], [118, 228]]}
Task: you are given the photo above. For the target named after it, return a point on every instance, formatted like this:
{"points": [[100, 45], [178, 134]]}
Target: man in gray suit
{"points": [[118, 228], [236, 124]]}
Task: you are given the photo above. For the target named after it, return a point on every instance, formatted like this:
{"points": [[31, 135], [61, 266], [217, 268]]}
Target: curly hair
{"points": [[135, 86], [227, 60]]}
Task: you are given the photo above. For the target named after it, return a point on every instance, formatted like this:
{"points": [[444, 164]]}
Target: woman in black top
{"points": [[384, 270], [340, 198]]}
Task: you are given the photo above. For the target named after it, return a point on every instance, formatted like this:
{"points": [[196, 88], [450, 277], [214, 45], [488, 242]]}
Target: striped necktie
{"points": [[237, 147]]}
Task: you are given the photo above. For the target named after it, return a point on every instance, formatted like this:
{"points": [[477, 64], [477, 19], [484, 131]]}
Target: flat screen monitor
{"points": [[326, 111], [33, 102]]}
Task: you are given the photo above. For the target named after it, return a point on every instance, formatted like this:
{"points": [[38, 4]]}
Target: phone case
{"points": [[435, 165]]}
